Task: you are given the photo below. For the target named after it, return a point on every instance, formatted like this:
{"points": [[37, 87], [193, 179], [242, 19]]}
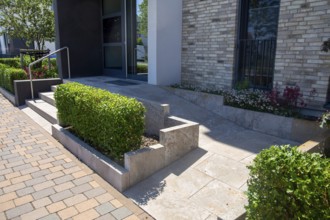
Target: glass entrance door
{"points": [[114, 37]]}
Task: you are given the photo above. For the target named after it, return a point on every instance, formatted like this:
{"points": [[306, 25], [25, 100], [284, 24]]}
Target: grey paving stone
{"points": [[94, 192], [63, 179], [105, 208], [106, 217], [61, 196], [121, 213], [35, 181], [82, 180], [22, 167], [43, 193], [53, 216], [25, 191], [19, 210], [81, 188], [40, 173]]}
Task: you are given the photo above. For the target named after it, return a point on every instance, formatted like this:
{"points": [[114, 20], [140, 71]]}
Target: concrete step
{"points": [[48, 97], [37, 118], [44, 109], [53, 88]]}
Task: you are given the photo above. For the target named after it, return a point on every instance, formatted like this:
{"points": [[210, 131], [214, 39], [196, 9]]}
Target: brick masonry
{"points": [[208, 46], [303, 26], [209, 31]]}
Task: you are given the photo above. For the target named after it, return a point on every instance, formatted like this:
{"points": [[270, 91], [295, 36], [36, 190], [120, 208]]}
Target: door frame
{"points": [[113, 72]]}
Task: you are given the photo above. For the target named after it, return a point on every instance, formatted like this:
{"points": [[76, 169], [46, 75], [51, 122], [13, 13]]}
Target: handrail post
{"points": [[49, 65], [31, 83], [69, 68]]}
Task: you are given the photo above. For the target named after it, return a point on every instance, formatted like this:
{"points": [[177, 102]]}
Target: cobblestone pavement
{"points": [[39, 179]]}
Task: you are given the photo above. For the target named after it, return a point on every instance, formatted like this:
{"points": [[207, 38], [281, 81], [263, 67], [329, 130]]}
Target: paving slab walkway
{"points": [[39, 179], [209, 182]]}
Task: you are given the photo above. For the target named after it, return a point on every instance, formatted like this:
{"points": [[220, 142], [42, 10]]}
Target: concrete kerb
{"points": [[177, 138], [284, 127], [8, 96]]}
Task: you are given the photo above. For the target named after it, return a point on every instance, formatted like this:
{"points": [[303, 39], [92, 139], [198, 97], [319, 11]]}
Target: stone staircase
{"points": [[43, 110]]}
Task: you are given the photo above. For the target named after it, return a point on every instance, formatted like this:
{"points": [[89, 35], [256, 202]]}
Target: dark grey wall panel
{"points": [[23, 88], [78, 26]]}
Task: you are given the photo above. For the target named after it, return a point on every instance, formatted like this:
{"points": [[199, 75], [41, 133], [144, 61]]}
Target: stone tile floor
{"points": [[39, 179], [209, 182]]}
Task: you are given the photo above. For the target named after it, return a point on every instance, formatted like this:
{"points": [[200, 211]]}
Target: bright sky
{"points": [[138, 2]]}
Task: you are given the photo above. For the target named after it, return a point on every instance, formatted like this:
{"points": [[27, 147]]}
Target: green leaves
{"points": [[143, 18], [8, 75], [32, 20], [110, 122], [288, 184]]}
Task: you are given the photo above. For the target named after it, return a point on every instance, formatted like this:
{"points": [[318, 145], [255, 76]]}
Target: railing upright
{"points": [[45, 57]]}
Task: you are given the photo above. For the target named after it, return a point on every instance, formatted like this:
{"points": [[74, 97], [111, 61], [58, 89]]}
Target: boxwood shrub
{"points": [[109, 122], [12, 62], [142, 68], [8, 75], [286, 183]]}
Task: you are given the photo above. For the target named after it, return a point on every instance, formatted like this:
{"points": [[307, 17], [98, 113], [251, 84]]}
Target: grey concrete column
{"points": [[164, 41]]}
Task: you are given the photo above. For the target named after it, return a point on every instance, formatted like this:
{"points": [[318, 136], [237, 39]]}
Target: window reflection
{"points": [[112, 30], [113, 57], [111, 6], [263, 19]]}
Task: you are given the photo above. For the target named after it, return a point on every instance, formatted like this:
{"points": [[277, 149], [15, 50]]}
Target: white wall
{"points": [[164, 41], [50, 46]]}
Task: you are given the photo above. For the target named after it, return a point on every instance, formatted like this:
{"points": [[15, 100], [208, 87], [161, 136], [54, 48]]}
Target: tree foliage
{"points": [[31, 20], [143, 17]]}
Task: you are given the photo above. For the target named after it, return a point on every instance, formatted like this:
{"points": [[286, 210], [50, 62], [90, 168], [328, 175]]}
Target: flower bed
{"points": [[286, 103], [296, 129]]}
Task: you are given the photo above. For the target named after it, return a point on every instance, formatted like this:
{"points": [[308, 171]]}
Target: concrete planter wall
{"points": [[177, 138], [8, 95], [290, 128], [23, 88], [318, 144]]}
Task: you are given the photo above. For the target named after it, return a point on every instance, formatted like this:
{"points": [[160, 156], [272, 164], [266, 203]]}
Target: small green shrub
{"points": [[110, 122], [242, 85], [139, 41], [288, 184], [142, 68], [12, 62], [8, 75]]}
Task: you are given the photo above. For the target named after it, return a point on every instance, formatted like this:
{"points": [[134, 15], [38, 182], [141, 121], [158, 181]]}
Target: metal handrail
{"points": [[47, 56]]}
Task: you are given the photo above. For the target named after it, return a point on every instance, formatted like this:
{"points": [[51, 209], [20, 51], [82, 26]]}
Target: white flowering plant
{"points": [[287, 103]]}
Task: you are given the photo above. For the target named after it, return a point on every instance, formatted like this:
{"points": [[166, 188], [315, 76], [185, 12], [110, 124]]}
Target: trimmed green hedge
{"points": [[8, 75], [142, 68], [109, 122], [16, 62], [288, 184], [11, 62]]}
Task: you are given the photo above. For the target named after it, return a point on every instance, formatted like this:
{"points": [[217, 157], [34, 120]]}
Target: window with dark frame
{"points": [[257, 42]]}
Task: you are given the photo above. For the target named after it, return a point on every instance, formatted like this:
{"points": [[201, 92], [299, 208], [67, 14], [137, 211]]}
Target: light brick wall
{"points": [[303, 26], [209, 32], [209, 36]]}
